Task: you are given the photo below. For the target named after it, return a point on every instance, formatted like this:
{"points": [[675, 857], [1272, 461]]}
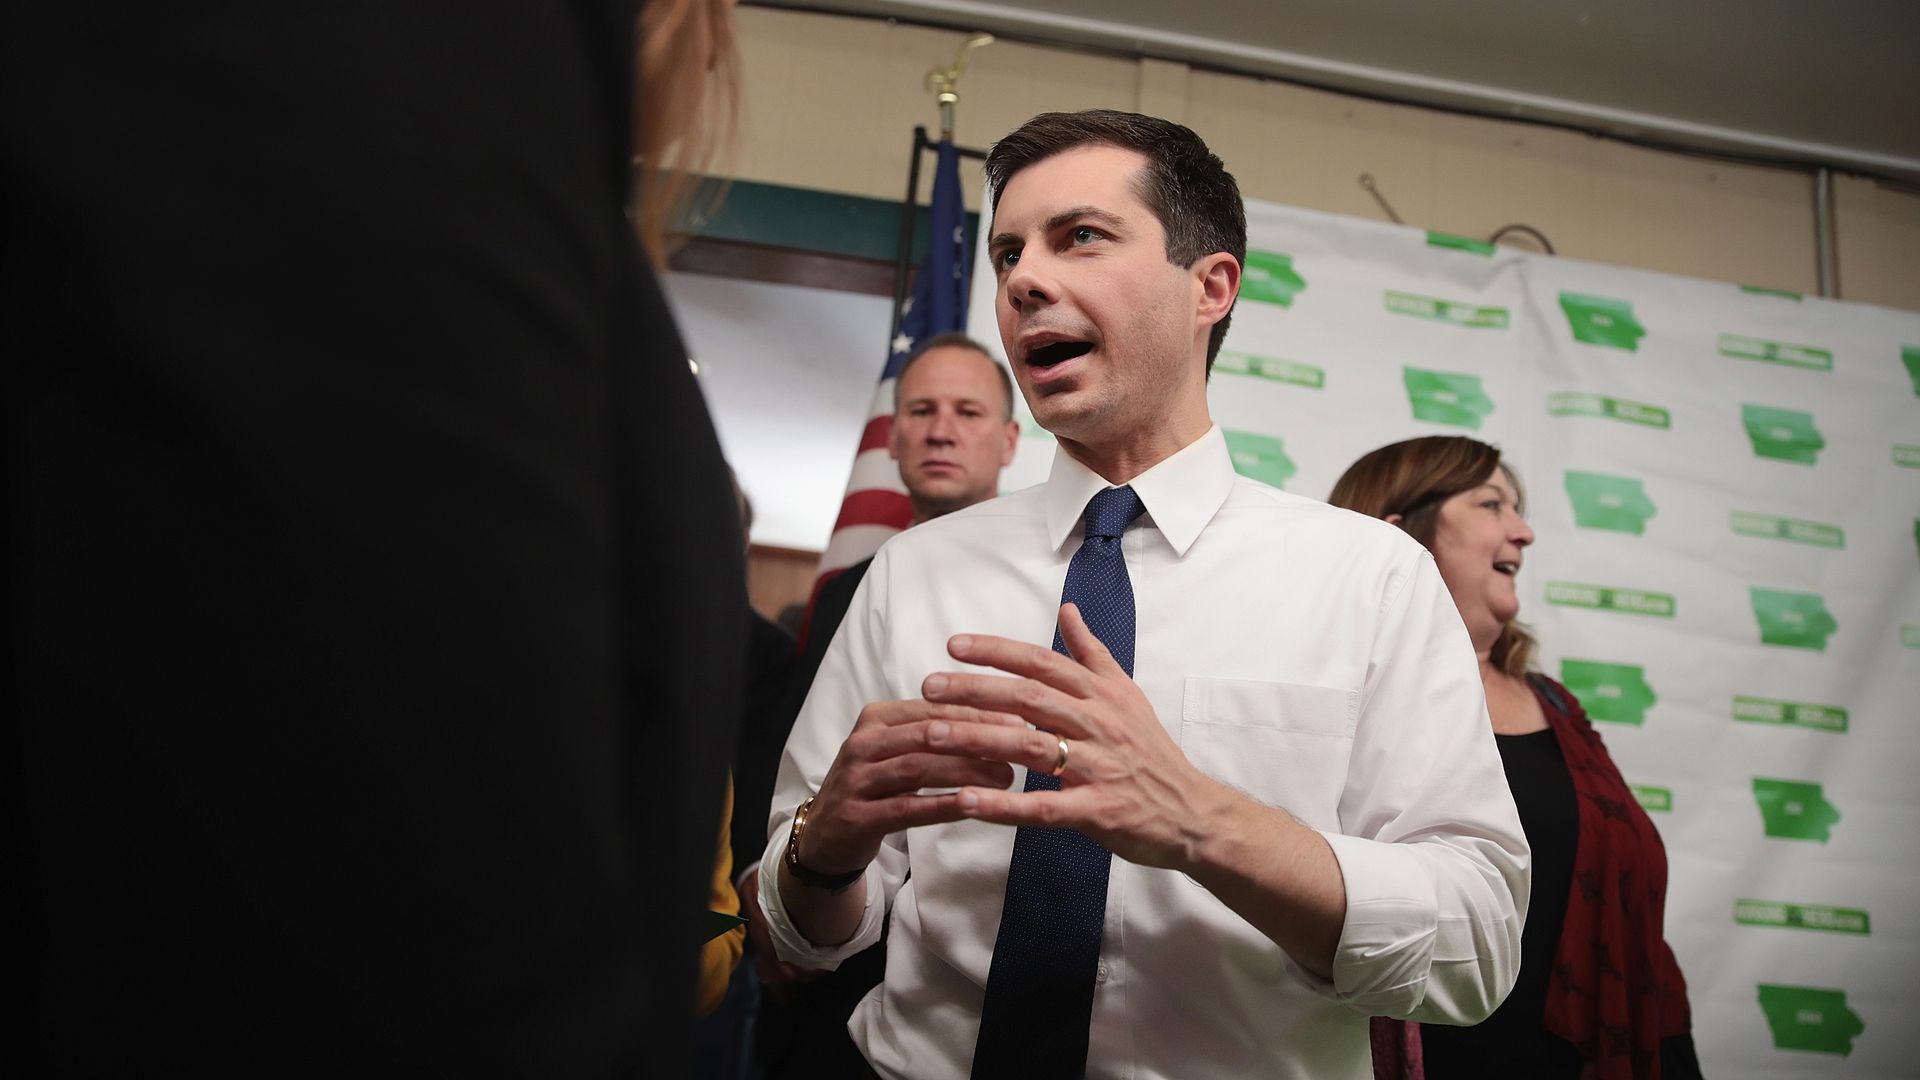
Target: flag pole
{"points": [[908, 216], [945, 82]]}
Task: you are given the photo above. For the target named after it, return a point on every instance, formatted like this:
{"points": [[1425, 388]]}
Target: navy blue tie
{"points": [[1039, 1000]]}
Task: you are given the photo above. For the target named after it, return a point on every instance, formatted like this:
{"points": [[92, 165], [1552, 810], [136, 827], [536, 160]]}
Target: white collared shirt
{"points": [[1308, 656]]}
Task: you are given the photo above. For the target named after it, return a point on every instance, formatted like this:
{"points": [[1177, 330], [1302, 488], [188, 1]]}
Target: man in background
{"points": [[953, 431]]}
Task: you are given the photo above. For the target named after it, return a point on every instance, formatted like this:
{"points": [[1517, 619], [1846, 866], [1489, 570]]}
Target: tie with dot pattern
{"points": [[1039, 998]]}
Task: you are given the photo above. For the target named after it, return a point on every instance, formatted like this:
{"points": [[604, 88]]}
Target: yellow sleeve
{"points": [[718, 957]]}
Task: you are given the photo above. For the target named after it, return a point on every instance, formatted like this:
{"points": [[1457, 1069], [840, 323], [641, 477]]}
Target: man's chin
{"points": [[936, 486], [931, 500], [1065, 419], [1057, 410], [929, 506]]}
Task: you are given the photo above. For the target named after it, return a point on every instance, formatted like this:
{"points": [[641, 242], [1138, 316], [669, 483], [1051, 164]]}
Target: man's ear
{"points": [[1394, 519], [1013, 443], [1219, 278]]}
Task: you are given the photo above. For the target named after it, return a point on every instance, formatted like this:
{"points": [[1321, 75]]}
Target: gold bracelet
{"points": [[805, 875]]}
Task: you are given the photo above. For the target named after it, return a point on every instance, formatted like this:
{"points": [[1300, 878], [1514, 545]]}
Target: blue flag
{"points": [[939, 300]]}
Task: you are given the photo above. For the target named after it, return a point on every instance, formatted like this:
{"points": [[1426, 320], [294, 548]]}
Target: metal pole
{"points": [[943, 81], [907, 214], [1823, 229]]}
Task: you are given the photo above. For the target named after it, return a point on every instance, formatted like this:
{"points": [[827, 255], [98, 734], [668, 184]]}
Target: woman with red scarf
{"points": [[1599, 993]]}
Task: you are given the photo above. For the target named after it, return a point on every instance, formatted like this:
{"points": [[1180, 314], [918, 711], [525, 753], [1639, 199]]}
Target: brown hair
{"points": [[1411, 479], [1183, 183], [686, 114], [953, 339]]}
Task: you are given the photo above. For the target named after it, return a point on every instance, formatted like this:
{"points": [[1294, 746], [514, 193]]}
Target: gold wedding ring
{"points": [[1060, 766]]}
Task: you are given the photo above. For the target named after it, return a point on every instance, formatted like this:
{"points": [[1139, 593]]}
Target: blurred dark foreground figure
{"points": [[373, 570]]}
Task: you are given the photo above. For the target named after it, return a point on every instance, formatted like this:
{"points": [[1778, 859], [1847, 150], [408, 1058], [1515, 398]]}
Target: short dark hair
{"points": [[954, 339], [1183, 183]]}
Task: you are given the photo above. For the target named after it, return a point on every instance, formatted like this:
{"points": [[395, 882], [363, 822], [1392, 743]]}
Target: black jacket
{"points": [[373, 572]]}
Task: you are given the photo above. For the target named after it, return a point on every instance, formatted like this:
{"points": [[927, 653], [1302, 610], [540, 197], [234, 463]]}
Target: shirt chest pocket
{"points": [[1285, 744]]}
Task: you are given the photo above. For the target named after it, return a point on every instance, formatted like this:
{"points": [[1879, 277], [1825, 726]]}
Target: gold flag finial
{"points": [[944, 81]]}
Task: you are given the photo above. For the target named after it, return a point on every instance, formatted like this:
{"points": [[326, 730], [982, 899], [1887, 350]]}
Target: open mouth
{"points": [[1507, 568], [1054, 352]]}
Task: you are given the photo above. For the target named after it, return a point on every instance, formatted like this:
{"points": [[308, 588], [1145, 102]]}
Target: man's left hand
{"points": [[1126, 783]]}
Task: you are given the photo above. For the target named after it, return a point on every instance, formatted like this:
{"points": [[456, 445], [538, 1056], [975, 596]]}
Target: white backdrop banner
{"points": [[1725, 485]]}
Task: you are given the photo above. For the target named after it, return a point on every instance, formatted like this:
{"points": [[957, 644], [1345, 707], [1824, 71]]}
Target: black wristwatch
{"points": [[814, 879]]}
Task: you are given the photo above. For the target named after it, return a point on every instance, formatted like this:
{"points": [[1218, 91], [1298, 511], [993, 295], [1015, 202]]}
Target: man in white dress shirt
{"points": [[1306, 814]]}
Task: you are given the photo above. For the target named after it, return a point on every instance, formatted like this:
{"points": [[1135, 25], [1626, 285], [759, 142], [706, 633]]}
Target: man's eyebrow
{"points": [[1094, 213], [1059, 220]]}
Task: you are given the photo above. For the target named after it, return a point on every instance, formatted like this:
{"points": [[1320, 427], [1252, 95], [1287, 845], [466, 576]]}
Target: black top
{"points": [[763, 736], [773, 706], [374, 583], [805, 1035], [1513, 1042]]}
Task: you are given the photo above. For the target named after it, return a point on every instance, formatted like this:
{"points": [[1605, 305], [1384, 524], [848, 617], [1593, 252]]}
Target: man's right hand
{"points": [[776, 975], [896, 749]]}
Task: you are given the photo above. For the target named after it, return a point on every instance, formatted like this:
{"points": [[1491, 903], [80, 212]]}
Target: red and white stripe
{"points": [[875, 505]]}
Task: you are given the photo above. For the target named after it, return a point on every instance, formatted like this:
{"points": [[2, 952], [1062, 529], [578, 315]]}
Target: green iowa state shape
{"points": [[1602, 320], [1810, 1018], [1792, 620], [1615, 693], [1446, 397], [1260, 457], [1783, 434], [1270, 278], [1794, 810], [1616, 503]]}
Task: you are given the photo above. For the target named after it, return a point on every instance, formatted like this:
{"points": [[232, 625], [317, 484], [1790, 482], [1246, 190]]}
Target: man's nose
{"points": [[1029, 283], [943, 429]]}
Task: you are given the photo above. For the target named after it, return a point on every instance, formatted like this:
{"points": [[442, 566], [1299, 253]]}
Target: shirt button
{"points": [[1100, 974]]}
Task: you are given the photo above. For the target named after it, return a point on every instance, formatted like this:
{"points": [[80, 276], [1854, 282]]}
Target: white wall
{"points": [[788, 373]]}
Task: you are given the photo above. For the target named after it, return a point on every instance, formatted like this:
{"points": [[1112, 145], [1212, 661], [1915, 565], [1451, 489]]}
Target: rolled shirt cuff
{"points": [[793, 946], [1400, 955]]}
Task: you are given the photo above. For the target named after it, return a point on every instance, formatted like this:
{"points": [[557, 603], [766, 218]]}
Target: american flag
{"points": [[875, 506]]}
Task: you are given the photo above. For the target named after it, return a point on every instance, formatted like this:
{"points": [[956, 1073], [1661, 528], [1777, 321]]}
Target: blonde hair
{"points": [[687, 111], [1411, 479]]}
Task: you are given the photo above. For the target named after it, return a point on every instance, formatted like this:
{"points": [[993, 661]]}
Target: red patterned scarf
{"points": [[1616, 990]]}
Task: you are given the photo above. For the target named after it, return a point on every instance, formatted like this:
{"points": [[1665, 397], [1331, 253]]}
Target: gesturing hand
{"points": [[1126, 783], [895, 749]]}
